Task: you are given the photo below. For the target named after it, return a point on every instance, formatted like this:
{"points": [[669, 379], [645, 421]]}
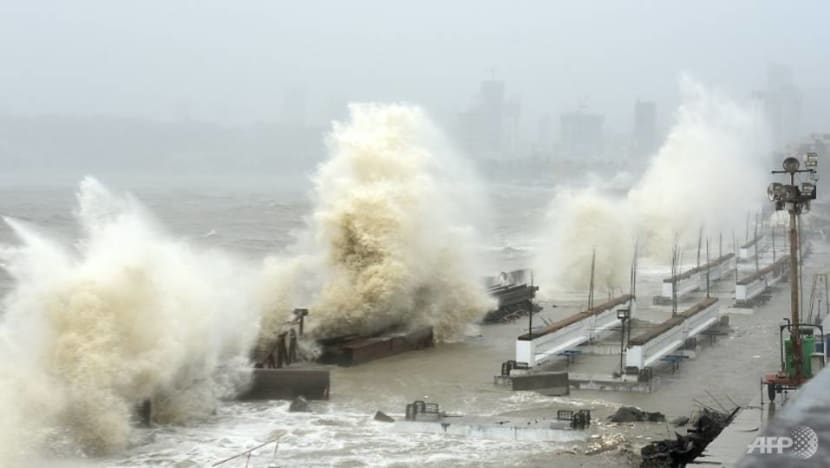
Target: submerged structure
{"points": [[514, 293], [558, 426], [280, 373], [352, 350]]}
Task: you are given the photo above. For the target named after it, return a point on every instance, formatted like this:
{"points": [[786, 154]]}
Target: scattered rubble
{"points": [[632, 414], [383, 417], [299, 405], [704, 427]]}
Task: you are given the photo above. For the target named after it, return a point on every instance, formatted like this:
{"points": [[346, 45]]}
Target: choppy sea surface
{"points": [[459, 376]]}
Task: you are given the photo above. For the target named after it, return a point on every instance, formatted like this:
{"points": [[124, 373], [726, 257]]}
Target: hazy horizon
{"points": [[235, 63]]}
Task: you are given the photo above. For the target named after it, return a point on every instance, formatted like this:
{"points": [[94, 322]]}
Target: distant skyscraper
{"points": [[545, 136], [645, 129], [489, 128], [581, 135], [491, 114], [782, 105]]}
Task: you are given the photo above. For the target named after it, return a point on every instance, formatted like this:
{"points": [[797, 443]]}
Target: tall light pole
{"points": [[623, 315], [795, 199]]}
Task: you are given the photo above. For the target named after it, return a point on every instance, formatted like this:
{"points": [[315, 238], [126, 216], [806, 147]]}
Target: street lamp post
{"points": [[624, 315], [299, 318], [796, 200]]}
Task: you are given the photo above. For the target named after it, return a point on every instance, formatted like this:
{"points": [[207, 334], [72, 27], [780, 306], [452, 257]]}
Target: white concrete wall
{"points": [[750, 291], [538, 350], [647, 354], [684, 286]]}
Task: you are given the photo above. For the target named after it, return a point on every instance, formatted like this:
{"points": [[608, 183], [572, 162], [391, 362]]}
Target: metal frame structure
{"points": [[795, 199]]}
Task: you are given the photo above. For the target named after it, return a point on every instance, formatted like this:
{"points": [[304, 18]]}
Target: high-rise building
{"points": [[489, 128], [644, 139], [581, 135], [545, 136], [782, 105]]}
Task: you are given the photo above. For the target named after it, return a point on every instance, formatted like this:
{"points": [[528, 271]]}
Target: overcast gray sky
{"points": [[232, 61]]}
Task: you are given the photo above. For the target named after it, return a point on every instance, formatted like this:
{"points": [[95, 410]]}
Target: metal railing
{"points": [[250, 451]]}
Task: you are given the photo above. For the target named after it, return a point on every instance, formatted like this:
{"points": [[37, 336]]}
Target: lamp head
{"points": [[774, 191], [791, 165]]}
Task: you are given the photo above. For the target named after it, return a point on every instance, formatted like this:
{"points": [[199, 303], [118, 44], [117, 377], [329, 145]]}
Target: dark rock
{"points": [[144, 413], [632, 414], [681, 421], [299, 405], [683, 449], [381, 416]]}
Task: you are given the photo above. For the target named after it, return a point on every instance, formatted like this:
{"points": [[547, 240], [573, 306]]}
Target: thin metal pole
{"points": [[530, 323], [826, 296], [674, 260], [622, 341], [737, 254], [794, 310], [248, 452], [591, 285], [757, 266], [708, 267], [800, 266]]}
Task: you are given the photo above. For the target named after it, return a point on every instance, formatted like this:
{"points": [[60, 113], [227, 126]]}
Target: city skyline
{"points": [[209, 68]]}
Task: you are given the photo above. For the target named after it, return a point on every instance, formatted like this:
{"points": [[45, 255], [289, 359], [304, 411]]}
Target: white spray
{"points": [[709, 172], [126, 315], [390, 241]]}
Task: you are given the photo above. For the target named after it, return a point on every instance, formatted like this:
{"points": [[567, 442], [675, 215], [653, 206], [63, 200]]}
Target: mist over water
{"points": [[709, 172], [128, 313], [391, 240]]}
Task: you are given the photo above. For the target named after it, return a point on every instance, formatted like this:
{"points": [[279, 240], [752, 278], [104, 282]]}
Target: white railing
{"points": [[544, 345], [747, 251], [702, 320], [536, 350], [752, 287], [750, 291], [775, 276], [718, 272], [644, 355], [684, 286], [641, 355]]}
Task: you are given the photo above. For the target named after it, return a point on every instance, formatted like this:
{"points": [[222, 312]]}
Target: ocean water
{"points": [[340, 432]]}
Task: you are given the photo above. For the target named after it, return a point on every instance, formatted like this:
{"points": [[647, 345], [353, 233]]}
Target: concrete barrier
{"points": [[570, 332], [287, 384], [358, 350], [695, 279], [750, 290], [719, 269], [746, 252], [647, 348], [686, 283], [547, 383]]}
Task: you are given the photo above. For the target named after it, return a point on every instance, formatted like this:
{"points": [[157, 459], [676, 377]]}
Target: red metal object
{"points": [[784, 380]]}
